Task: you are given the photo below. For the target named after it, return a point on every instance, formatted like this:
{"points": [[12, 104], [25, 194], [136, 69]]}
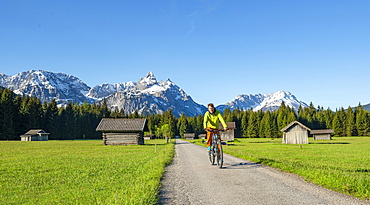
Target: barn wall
{"points": [[322, 137], [228, 135], [26, 138], [39, 138], [189, 136], [123, 138], [295, 135]]}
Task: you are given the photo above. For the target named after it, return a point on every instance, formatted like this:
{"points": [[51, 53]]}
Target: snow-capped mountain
{"points": [[147, 95], [263, 102], [47, 85], [101, 91]]}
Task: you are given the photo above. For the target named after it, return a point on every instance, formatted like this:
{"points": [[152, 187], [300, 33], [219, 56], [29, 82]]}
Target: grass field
{"points": [[81, 172], [341, 164], [86, 172]]}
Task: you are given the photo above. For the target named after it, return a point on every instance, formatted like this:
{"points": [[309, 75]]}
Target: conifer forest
{"points": [[18, 114]]}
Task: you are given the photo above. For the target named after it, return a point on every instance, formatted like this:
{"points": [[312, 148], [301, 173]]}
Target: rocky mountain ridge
{"points": [[147, 95], [263, 102]]}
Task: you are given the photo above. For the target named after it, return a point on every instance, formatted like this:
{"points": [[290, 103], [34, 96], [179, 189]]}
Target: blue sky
{"points": [[319, 50]]}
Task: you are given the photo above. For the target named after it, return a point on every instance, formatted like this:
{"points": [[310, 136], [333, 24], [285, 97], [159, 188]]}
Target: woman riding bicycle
{"points": [[211, 120]]}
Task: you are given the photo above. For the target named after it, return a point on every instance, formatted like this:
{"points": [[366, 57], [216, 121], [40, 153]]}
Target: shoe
{"points": [[209, 148]]}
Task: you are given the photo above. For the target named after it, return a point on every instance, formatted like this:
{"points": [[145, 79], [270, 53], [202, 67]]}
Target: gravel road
{"points": [[191, 179]]}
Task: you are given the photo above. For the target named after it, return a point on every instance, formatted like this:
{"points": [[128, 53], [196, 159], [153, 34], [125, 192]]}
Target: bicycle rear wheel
{"points": [[211, 156], [220, 154]]}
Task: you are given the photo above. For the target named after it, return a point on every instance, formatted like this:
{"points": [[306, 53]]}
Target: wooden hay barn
{"points": [[149, 137], [295, 133], [189, 136], [228, 135], [321, 134], [202, 136], [35, 135], [122, 131]]}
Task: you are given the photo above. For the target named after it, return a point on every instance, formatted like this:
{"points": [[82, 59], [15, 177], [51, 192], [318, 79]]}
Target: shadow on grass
{"points": [[265, 161], [363, 170]]}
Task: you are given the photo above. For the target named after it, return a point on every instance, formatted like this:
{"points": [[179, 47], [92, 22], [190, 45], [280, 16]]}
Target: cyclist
{"points": [[211, 120]]}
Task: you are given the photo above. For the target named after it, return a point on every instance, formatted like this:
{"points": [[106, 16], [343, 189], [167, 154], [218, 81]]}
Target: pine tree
{"points": [[104, 109], [198, 128], [320, 119], [151, 123], [274, 127], [69, 124], [266, 126], [336, 125], [236, 116], [328, 118], [7, 115], [362, 121], [35, 110], [252, 125], [339, 122], [350, 123], [291, 117], [51, 118], [244, 124], [168, 118], [227, 115], [182, 125], [282, 116]]}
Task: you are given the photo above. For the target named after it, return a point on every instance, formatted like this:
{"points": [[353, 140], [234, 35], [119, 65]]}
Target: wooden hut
{"points": [[35, 135], [295, 133], [122, 131], [189, 136], [149, 137], [228, 135], [322, 134]]}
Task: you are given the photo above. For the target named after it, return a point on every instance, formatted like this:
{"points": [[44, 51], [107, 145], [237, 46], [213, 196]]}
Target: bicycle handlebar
{"points": [[215, 130]]}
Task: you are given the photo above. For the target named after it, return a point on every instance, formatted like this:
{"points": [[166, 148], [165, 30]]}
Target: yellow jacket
{"points": [[212, 120]]}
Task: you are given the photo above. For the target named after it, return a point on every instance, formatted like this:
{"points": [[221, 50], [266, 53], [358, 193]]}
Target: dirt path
{"points": [[190, 179]]}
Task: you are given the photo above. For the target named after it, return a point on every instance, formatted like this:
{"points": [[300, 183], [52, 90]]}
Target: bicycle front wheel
{"points": [[211, 156], [220, 154]]}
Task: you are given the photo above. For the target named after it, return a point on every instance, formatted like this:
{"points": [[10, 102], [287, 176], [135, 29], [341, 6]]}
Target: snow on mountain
{"points": [[150, 96], [101, 91], [148, 81], [147, 95], [263, 102], [47, 86]]}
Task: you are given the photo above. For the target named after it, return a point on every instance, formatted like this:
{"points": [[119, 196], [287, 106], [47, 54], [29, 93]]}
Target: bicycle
{"points": [[216, 148]]}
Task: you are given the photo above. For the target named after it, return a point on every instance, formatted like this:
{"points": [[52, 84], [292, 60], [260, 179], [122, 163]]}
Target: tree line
{"points": [[18, 114], [267, 124]]}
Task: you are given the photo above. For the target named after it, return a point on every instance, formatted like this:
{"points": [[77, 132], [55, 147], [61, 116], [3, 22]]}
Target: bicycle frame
{"points": [[216, 148]]}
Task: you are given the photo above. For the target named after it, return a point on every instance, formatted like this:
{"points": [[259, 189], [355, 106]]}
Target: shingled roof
{"points": [[293, 123], [36, 132], [122, 125], [315, 132]]}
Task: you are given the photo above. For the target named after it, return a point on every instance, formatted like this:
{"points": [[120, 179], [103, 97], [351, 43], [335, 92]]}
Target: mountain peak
{"points": [[47, 85], [149, 79], [150, 73], [264, 102], [146, 96]]}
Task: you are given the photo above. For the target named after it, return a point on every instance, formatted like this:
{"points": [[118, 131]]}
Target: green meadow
{"points": [[87, 172], [341, 164], [81, 172]]}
